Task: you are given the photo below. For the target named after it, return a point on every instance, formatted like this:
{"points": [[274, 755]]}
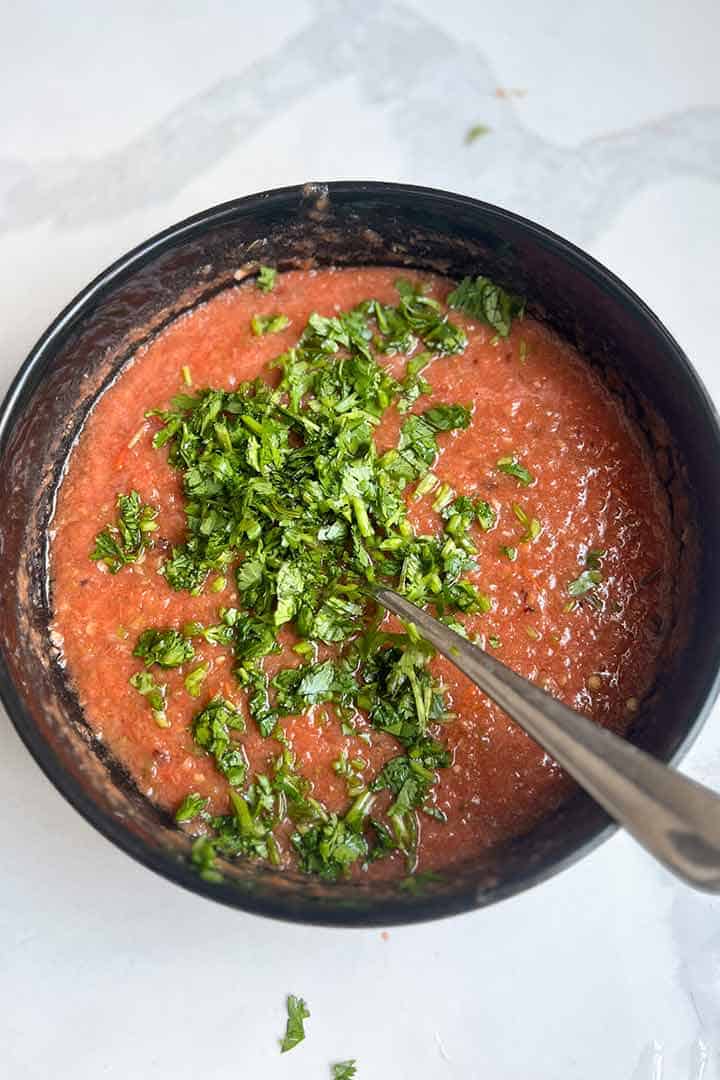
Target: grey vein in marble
{"points": [[433, 87]]}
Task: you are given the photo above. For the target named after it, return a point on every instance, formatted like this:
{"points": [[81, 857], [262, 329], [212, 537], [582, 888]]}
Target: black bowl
{"points": [[342, 224]]}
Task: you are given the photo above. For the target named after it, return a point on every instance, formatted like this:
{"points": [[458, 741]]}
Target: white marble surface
{"points": [[120, 119]]}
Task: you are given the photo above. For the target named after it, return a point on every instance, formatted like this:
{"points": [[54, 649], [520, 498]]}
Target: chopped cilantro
{"points": [[410, 778], [297, 1014], [123, 543], [512, 466], [460, 514], [351, 770], [584, 583], [594, 559], [531, 525], [195, 678], [191, 806], [154, 693], [485, 514], [167, 648], [289, 588], [344, 1070], [484, 300], [417, 884], [447, 417], [336, 620], [268, 324], [331, 847], [510, 553], [211, 730], [585, 586], [494, 641], [266, 278], [476, 132], [287, 494], [203, 857]]}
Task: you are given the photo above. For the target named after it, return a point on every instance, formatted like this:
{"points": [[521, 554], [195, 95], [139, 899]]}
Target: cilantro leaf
{"points": [[203, 858], [123, 543], [484, 300], [585, 587], [475, 132], [166, 648], [531, 525], [485, 515], [268, 324], [512, 466], [182, 571], [584, 583], [289, 587], [297, 1014], [417, 884], [330, 847], [447, 417], [336, 620], [310, 684], [195, 678], [344, 1070], [266, 279], [594, 558], [154, 693], [191, 806], [211, 730], [411, 779], [417, 316]]}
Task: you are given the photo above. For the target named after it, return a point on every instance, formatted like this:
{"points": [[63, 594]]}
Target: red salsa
{"points": [[221, 639]]}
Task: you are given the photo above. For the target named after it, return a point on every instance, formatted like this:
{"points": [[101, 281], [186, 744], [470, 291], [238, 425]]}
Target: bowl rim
{"points": [[296, 908]]}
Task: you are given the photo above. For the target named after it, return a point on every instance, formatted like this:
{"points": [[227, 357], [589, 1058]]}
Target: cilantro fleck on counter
{"points": [[344, 1070], [298, 1013]]}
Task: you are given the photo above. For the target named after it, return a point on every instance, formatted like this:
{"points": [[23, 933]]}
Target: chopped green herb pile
{"points": [[298, 1013], [123, 543], [286, 491]]}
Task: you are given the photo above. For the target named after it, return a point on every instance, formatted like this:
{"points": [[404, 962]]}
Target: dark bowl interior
{"points": [[342, 224]]}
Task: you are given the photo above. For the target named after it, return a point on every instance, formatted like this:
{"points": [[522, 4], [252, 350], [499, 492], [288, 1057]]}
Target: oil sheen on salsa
{"points": [[569, 562]]}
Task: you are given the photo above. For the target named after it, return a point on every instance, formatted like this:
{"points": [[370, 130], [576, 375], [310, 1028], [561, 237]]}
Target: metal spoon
{"points": [[674, 818]]}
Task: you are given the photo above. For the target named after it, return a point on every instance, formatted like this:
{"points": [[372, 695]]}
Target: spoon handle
{"points": [[673, 817]]}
